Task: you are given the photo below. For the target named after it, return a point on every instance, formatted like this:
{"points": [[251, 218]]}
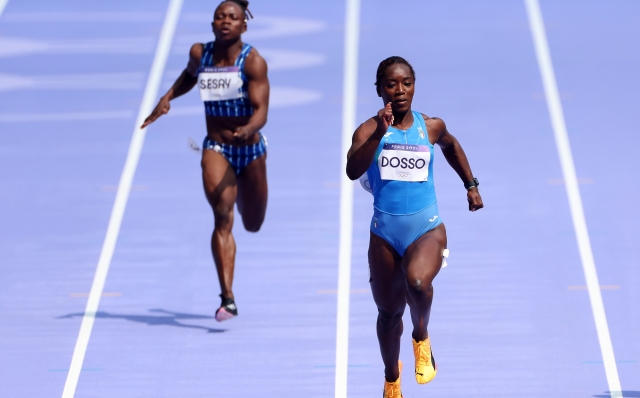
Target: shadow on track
{"points": [[168, 318], [625, 394]]}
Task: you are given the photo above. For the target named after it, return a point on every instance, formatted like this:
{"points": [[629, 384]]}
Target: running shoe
{"points": [[227, 309], [392, 390], [426, 367]]}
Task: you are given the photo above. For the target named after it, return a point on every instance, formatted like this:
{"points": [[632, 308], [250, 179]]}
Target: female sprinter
{"points": [[407, 239], [232, 79]]}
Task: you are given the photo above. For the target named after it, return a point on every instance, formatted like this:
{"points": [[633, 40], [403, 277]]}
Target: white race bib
{"points": [[220, 84], [402, 162]]}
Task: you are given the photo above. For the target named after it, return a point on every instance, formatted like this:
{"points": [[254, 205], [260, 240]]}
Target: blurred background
{"points": [[511, 314]]}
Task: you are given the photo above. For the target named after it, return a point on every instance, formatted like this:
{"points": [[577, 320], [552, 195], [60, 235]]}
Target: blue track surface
{"points": [[511, 317]]}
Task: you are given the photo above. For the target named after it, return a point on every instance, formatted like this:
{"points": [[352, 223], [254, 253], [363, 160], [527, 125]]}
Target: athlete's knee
{"points": [[252, 225], [389, 319], [390, 313], [418, 284], [223, 217]]}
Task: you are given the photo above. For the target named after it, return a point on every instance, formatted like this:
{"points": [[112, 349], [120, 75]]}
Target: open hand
{"points": [[161, 109]]}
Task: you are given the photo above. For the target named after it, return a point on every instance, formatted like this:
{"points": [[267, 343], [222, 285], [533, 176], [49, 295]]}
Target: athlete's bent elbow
{"points": [[351, 174]]}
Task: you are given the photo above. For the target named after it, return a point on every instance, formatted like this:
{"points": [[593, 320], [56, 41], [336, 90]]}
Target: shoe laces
{"points": [[422, 352], [392, 390]]}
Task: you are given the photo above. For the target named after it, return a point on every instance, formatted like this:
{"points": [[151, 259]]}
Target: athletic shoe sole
{"points": [[223, 315]]}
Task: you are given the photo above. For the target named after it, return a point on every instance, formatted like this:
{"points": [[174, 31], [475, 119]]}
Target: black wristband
{"points": [[471, 184]]}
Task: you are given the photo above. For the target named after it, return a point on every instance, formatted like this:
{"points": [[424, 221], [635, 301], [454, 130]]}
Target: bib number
{"points": [[220, 84], [402, 162]]}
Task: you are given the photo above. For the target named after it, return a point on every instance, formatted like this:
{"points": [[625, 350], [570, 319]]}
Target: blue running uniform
{"points": [[238, 156], [401, 180], [235, 107]]}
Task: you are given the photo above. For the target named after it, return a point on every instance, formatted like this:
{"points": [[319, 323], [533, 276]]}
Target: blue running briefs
{"points": [[404, 229], [238, 156]]}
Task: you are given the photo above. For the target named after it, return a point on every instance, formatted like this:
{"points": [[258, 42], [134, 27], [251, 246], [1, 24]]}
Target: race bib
{"points": [[402, 162], [220, 84]]}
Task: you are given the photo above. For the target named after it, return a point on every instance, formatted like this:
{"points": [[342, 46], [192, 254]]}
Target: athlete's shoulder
{"points": [[255, 64], [196, 50], [434, 123], [195, 56]]}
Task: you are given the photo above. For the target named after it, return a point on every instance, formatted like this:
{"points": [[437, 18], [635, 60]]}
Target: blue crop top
{"points": [[236, 107], [404, 153]]}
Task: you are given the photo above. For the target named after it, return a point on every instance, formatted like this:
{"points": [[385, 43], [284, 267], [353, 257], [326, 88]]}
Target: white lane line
{"points": [[350, 88], [3, 4], [124, 187], [573, 193]]}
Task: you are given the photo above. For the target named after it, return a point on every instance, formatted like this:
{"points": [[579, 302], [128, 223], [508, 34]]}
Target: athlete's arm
{"points": [[457, 159], [365, 141], [184, 83], [255, 67]]}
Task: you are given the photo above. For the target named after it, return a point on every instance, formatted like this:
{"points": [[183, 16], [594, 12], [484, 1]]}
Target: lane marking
{"points": [[602, 287], [618, 361], [581, 181], [573, 193], [350, 90], [333, 366], [124, 187], [3, 4], [114, 188], [83, 369], [105, 294]]}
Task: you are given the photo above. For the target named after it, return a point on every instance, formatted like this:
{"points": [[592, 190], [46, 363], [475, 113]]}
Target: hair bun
{"points": [[244, 4]]}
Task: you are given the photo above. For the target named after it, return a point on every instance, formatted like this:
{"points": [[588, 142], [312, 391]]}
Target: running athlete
{"points": [[394, 150], [233, 83]]}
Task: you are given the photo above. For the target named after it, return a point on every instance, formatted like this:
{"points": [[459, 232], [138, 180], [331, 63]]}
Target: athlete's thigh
{"points": [[387, 279], [219, 181], [423, 258], [253, 192]]}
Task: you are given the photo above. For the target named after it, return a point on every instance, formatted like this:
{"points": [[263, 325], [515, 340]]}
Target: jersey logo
{"points": [[433, 219], [388, 134]]}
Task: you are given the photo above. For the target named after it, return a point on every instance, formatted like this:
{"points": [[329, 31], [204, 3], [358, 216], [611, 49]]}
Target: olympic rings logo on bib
{"points": [[402, 162]]}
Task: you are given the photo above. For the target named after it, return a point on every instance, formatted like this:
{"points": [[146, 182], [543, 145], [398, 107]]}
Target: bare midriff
{"points": [[221, 128]]}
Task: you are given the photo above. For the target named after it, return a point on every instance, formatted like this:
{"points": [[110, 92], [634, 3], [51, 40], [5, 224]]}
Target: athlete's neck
{"points": [[403, 121], [227, 50]]}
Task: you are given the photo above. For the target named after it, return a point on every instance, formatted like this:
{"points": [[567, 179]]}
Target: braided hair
{"points": [[244, 5], [382, 68]]}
